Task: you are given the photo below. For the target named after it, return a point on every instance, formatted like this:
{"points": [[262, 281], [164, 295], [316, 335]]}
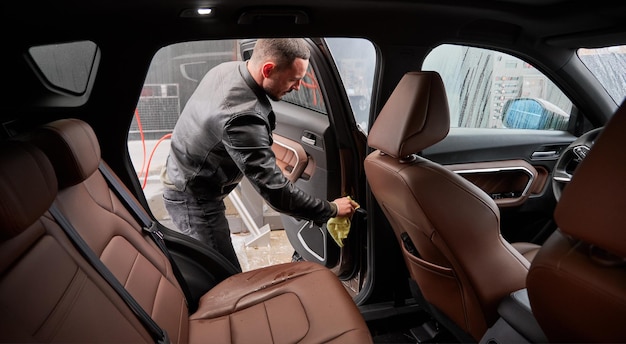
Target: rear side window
{"points": [[491, 89], [67, 66]]}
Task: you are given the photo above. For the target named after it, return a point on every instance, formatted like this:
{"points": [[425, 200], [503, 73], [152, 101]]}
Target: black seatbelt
{"points": [[159, 335], [149, 226]]}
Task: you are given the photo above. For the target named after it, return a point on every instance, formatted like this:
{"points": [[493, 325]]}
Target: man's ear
{"points": [[267, 69]]}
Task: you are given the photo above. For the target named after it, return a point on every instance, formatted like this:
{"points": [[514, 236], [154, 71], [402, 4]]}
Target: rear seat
{"points": [[48, 292], [293, 302]]}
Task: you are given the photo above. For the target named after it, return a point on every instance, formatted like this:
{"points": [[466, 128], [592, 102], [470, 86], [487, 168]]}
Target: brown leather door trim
{"points": [[290, 157]]}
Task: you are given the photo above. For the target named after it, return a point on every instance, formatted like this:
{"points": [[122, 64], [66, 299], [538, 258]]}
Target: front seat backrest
{"points": [[577, 281], [462, 265]]}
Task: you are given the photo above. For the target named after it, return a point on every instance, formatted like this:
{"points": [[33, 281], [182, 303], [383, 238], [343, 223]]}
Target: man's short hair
{"points": [[281, 51]]}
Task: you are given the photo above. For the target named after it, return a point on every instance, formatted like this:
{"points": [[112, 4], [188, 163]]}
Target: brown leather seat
{"points": [[577, 281], [293, 302], [48, 293], [462, 265]]}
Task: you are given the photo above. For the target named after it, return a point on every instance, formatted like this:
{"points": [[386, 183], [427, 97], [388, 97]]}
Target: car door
{"points": [[316, 142], [509, 126]]}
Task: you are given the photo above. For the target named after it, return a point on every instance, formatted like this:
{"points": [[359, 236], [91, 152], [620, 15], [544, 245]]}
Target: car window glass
{"points": [[491, 89], [67, 66], [609, 67], [356, 61], [309, 95]]}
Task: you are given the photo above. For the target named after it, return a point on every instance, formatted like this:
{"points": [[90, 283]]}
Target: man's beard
{"points": [[273, 96]]}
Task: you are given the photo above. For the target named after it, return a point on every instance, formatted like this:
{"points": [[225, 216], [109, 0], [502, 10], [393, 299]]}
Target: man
{"points": [[225, 133]]}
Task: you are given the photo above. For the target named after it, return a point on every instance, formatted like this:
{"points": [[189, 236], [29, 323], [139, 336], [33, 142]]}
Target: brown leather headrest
{"points": [[415, 117], [72, 147], [27, 185], [592, 207]]}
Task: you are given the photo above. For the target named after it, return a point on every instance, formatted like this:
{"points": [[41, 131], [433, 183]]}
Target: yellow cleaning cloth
{"points": [[339, 226]]}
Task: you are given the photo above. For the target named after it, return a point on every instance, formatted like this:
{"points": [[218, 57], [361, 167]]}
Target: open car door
{"points": [[316, 145]]}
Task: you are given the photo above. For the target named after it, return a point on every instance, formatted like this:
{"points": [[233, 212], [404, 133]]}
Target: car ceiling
{"points": [[408, 21], [130, 32]]}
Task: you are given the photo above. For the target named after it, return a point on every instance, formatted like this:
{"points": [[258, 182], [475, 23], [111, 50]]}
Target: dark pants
{"points": [[202, 220]]}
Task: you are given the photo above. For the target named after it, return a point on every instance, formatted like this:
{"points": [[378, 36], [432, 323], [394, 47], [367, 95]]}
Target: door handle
{"points": [[545, 154], [308, 140]]}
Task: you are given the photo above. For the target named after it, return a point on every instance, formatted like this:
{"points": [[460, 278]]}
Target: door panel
{"points": [[291, 158], [514, 167], [318, 120], [306, 133]]}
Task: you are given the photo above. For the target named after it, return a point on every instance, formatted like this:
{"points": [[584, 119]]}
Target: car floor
{"points": [[413, 327]]}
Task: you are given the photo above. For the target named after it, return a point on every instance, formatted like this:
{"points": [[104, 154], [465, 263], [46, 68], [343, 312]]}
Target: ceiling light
{"points": [[204, 11], [197, 12]]}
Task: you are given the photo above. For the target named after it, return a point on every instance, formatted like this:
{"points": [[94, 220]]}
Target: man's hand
{"points": [[345, 206]]}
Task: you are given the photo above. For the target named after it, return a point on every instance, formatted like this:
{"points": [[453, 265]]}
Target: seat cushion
{"points": [[300, 302]]}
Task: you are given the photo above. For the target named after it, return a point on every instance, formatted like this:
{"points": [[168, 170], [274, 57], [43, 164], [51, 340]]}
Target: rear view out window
{"points": [[66, 66]]}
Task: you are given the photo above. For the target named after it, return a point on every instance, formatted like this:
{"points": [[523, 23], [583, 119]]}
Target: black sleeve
{"points": [[248, 140]]}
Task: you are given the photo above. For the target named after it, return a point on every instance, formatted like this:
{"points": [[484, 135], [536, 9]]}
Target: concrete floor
{"points": [[279, 250]]}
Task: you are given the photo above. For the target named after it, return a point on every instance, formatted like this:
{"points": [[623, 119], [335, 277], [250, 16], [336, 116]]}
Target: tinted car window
{"points": [[66, 66]]}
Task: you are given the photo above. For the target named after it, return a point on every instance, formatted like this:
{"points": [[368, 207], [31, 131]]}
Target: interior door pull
{"points": [[544, 154], [308, 140]]}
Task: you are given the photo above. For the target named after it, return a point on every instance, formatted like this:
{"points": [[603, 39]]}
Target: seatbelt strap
{"points": [[149, 226], [159, 335]]}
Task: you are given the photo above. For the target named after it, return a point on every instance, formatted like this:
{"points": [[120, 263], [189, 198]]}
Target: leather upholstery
{"points": [[48, 293], [577, 281], [290, 157], [295, 302], [19, 208], [463, 266], [405, 124], [108, 228]]}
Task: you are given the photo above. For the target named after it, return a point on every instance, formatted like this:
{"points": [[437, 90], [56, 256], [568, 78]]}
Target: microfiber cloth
{"points": [[339, 227]]}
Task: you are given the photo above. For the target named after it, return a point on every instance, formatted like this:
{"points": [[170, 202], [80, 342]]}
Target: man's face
{"points": [[279, 82]]}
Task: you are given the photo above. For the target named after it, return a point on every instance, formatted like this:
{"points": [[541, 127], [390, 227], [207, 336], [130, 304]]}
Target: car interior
{"points": [[482, 141], [460, 262], [300, 303]]}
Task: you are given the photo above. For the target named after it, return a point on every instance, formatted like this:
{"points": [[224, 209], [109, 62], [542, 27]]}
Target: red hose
{"points": [[143, 144], [145, 179]]}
